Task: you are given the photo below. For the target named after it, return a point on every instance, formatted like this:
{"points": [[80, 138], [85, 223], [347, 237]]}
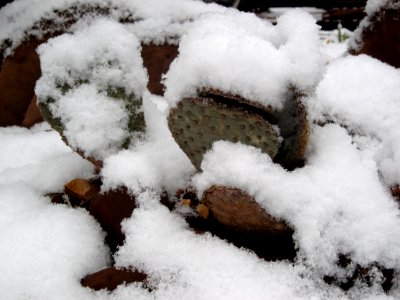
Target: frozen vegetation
{"points": [[338, 203]]}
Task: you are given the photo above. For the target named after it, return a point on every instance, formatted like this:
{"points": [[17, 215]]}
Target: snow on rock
{"points": [[152, 20], [336, 203], [46, 249], [372, 8], [240, 54], [83, 71], [38, 158], [49, 248], [363, 94], [186, 265]]}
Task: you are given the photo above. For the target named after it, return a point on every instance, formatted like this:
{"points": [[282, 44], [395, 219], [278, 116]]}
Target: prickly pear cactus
{"points": [[91, 87], [197, 122]]}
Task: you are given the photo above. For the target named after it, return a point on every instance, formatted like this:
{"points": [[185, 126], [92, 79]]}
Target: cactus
{"points": [[132, 104], [197, 122], [94, 97]]}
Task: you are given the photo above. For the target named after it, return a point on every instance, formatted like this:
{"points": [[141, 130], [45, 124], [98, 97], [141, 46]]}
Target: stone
{"points": [[33, 114], [18, 76], [81, 190], [110, 209], [110, 278], [157, 59], [239, 211], [395, 190]]}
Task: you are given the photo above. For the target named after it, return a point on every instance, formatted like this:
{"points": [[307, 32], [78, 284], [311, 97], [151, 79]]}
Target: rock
{"points": [[157, 59], [18, 75], [395, 190], [110, 278], [270, 246], [380, 35], [32, 115], [239, 211], [80, 190], [110, 209], [56, 198]]}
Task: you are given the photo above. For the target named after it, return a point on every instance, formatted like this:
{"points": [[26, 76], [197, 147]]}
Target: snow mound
{"points": [[91, 84], [240, 54], [32, 157], [336, 203], [363, 94], [186, 265]]}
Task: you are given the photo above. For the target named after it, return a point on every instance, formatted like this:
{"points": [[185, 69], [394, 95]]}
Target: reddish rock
{"points": [[56, 198], [381, 37], [18, 75], [157, 59], [33, 114], [396, 192], [81, 190], [111, 278], [110, 209], [238, 210]]}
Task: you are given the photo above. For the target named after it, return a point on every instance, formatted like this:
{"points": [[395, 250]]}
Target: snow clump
{"points": [[240, 54], [363, 94]]}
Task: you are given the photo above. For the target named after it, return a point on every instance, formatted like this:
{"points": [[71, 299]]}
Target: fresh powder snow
{"points": [[240, 54]]}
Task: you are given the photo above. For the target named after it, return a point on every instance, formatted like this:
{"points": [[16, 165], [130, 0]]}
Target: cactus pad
{"points": [[198, 122]]}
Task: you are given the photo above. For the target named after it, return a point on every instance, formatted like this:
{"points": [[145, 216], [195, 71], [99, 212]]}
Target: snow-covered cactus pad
{"points": [[269, 70], [91, 87]]}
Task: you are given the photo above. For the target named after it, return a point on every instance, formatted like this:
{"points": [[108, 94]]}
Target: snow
{"points": [[33, 157], [363, 94], [339, 203], [46, 249], [219, 49]]}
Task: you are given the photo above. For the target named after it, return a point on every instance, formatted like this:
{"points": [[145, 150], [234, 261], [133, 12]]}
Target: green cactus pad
{"points": [[198, 122]]}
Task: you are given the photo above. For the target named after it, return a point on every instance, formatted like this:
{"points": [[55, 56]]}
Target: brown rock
{"points": [[381, 37], [33, 114], [18, 75], [239, 211], [110, 209], [56, 198], [157, 59], [203, 211], [81, 189], [395, 190], [111, 278]]}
